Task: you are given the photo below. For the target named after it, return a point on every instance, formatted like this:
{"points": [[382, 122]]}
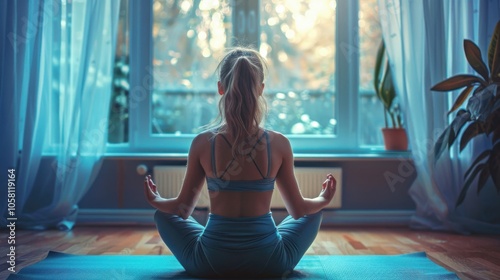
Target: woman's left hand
{"points": [[329, 188]]}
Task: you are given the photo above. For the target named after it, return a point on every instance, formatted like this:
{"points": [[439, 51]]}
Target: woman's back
{"points": [[255, 168]]}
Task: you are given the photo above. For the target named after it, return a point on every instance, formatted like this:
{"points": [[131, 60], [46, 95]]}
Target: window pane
{"points": [[189, 39], [298, 42], [371, 111], [118, 112]]}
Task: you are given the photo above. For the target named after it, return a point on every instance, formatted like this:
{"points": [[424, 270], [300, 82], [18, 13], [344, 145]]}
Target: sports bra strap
{"points": [[227, 141], [214, 171], [268, 154], [212, 148]]}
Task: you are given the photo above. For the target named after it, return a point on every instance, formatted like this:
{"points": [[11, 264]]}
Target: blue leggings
{"points": [[233, 247]]}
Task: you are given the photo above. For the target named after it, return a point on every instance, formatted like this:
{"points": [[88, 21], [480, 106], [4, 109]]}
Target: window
{"points": [[176, 45], [371, 118], [119, 105]]}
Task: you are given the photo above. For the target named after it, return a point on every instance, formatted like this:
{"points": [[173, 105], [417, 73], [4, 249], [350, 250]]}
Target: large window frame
{"points": [[142, 140]]}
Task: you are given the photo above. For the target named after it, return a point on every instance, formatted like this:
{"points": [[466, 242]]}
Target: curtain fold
{"points": [[21, 57], [63, 88], [424, 42]]}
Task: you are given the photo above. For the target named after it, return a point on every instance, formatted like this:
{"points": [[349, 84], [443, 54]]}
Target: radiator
{"points": [[169, 180]]}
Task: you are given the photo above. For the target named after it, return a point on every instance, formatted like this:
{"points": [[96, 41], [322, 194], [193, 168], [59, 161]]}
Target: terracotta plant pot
{"points": [[395, 139]]}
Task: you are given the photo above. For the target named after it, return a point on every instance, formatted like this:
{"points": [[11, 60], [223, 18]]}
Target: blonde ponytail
{"points": [[242, 106]]}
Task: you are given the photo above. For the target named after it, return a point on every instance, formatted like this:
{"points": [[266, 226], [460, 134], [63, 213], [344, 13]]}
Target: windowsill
{"points": [[337, 156]]}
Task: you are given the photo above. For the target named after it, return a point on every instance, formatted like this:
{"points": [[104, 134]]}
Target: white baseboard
{"points": [[330, 217]]}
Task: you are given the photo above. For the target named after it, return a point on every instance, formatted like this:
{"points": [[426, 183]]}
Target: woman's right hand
{"points": [[329, 188], [151, 191]]}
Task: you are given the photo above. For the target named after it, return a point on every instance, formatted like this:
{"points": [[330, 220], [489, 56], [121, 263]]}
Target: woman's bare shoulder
{"points": [[205, 135], [202, 140], [276, 134], [278, 139]]}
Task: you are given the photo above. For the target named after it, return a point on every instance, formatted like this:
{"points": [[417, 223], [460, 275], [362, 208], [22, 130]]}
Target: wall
{"points": [[364, 183], [366, 188]]}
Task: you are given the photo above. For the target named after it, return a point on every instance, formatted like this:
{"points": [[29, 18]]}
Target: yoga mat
{"points": [[66, 266]]}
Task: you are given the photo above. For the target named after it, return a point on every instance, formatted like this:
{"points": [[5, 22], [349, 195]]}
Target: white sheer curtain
{"points": [[63, 64], [424, 41]]}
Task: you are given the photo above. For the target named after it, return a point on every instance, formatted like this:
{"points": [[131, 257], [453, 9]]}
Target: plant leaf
{"points": [[473, 55], [461, 112], [479, 158], [458, 81], [478, 89], [474, 129], [452, 136], [388, 93], [378, 65], [496, 100], [492, 122], [461, 98], [468, 182], [493, 43], [483, 178], [494, 54], [494, 164], [496, 135], [441, 143], [381, 94], [460, 120]]}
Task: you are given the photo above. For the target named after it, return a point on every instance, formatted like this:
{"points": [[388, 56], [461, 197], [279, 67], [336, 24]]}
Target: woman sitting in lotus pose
{"points": [[241, 162]]}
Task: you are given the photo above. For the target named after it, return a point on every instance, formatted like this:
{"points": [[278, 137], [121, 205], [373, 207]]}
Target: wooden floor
{"points": [[471, 257]]}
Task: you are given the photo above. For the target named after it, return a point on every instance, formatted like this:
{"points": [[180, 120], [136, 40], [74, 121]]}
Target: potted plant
{"points": [[395, 136], [481, 117]]}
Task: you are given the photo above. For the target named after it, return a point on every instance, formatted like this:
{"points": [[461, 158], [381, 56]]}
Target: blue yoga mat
{"points": [[66, 266]]}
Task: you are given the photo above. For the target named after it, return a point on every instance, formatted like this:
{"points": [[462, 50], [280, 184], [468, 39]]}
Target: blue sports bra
{"points": [[218, 184]]}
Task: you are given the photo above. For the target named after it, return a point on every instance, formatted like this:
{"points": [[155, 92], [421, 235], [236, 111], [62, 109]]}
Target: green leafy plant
{"points": [[384, 87], [480, 117]]}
